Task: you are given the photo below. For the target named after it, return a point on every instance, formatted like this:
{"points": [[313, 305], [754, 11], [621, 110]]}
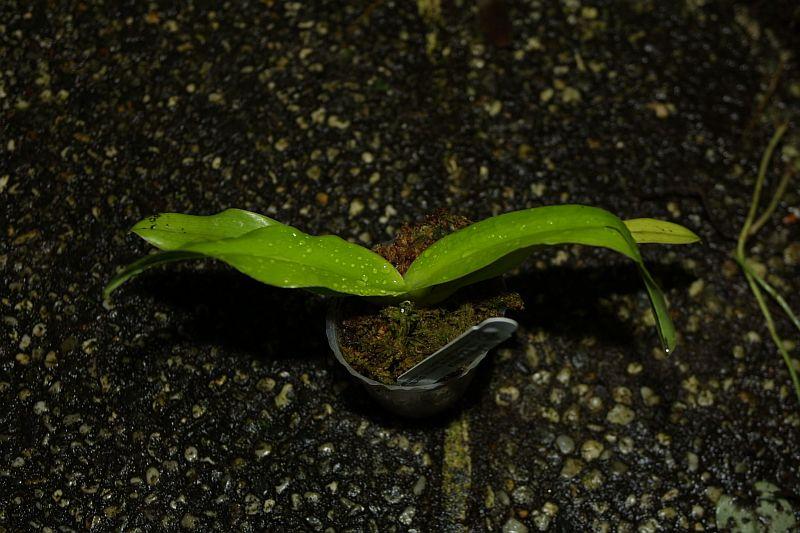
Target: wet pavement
{"points": [[199, 399]]}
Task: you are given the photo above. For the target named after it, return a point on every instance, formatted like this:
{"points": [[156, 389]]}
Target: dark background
{"points": [[200, 399]]}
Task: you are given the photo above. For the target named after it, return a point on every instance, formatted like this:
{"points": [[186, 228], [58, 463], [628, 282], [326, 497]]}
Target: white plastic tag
{"points": [[460, 352]]}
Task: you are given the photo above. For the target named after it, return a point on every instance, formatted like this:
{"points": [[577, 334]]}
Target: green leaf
{"points": [[140, 265], [268, 251], [286, 257], [480, 245], [172, 231], [650, 230]]}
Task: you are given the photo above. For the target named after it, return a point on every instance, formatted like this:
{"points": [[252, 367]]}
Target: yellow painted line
{"points": [[456, 472]]}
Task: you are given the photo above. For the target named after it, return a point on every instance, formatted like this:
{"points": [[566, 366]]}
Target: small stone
{"points": [[571, 468], [252, 504], [393, 494], [514, 526], [620, 414], [189, 521], [649, 397], [523, 495], [593, 480], [152, 475], [336, 122], [190, 453], [419, 486], [265, 384], [356, 207], [263, 449], [622, 395], [791, 254], [314, 173], [591, 450], [565, 444], [505, 396], [39, 408], [531, 357], [626, 445], [595, 404], [326, 448], [589, 13], [696, 288], [284, 397], [705, 398], [570, 95], [494, 107], [634, 368], [407, 515], [692, 462]]}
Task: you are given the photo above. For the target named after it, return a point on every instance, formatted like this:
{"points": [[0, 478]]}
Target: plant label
{"points": [[461, 352]]}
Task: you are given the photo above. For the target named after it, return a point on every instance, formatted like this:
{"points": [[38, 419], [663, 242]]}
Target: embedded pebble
{"points": [[190, 453], [285, 396], [620, 414], [513, 525], [152, 475], [505, 396], [591, 450], [572, 467], [262, 450], [189, 521], [407, 516], [565, 444]]}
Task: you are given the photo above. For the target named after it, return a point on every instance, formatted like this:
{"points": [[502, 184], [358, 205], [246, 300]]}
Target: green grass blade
{"points": [[484, 243], [284, 256], [650, 230], [774, 294], [666, 329], [146, 262], [172, 231]]}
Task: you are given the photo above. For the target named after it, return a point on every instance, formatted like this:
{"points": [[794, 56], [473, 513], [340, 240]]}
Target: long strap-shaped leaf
{"points": [[484, 243], [650, 230], [171, 231], [284, 256]]}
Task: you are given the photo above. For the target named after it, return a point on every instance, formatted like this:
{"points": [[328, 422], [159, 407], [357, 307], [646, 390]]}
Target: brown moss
{"points": [[382, 342], [411, 239]]}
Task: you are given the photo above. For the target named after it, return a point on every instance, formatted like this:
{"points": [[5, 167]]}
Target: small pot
{"points": [[413, 401]]}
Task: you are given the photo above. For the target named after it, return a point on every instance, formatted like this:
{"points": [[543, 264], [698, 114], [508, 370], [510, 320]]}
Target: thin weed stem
{"points": [[755, 281], [762, 174], [773, 204], [751, 280]]}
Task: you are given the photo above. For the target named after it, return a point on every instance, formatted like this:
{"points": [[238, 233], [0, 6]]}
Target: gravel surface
{"points": [[198, 399]]}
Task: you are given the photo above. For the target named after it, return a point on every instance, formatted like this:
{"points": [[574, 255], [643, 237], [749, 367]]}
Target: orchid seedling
{"points": [[284, 256]]}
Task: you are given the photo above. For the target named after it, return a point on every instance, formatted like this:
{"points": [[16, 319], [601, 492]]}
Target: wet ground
{"points": [[198, 399]]}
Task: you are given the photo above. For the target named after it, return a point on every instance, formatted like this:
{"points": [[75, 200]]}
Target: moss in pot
{"points": [[428, 265], [382, 341]]}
